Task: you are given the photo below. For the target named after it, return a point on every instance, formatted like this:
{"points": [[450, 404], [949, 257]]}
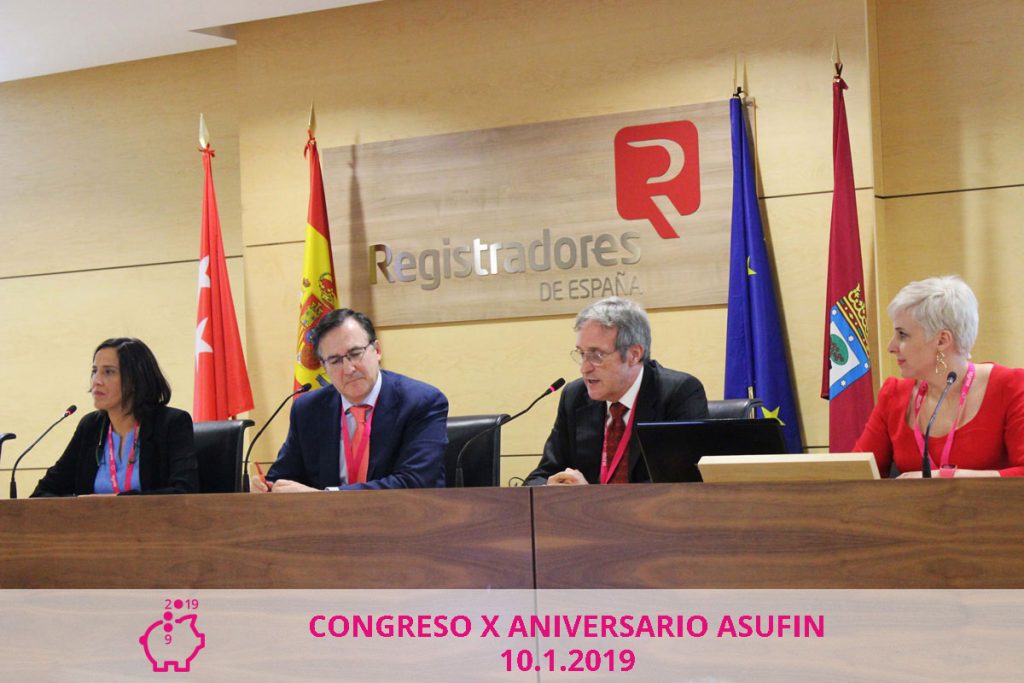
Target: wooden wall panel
{"points": [[949, 115], [974, 234], [401, 69], [949, 128], [517, 466], [100, 167]]}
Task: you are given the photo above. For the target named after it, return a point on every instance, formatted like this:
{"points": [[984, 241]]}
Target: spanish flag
{"points": [[319, 295]]}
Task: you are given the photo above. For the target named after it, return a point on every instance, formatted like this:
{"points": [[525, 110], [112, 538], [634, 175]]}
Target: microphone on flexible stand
{"points": [[926, 463], [14, 485], [245, 466], [555, 386]]}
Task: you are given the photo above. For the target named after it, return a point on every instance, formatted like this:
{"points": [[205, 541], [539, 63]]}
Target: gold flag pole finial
{"points": [[312, 120], [837, 60], [204, 134]]}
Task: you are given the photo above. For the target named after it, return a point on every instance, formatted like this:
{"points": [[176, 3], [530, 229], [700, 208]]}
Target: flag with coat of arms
{"points": [[318, 295], [846, 365]]}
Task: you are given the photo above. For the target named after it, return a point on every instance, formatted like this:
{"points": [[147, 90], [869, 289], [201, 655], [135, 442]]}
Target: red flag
{"points": [[222, 384], [318, 294], [846, 373]]}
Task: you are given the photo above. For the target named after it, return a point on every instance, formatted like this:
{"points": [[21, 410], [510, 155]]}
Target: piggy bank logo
{"points": [[171, 644], [657, 171]]}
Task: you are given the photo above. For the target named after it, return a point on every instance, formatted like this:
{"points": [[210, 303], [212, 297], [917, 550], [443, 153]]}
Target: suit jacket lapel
{"points": [[330, 444], [646, 408], [145, 450], [590, 437], [381, 438]]}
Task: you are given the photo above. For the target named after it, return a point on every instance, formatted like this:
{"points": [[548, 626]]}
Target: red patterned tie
{"points": [[612, 437], [359, 413]]}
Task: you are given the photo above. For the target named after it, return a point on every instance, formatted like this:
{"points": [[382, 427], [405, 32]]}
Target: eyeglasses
{"points": [[353, 356], [592, 357]]}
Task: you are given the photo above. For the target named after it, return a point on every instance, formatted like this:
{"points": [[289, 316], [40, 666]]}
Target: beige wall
{"points": [[949, 141], [102, 164]]}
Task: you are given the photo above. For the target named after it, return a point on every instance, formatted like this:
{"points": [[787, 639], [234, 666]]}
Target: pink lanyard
{"points": [[113, 465], [606, 471], [921, 391], [351, 464]]}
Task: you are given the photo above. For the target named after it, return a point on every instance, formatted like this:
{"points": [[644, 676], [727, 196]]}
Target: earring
{"points": [[940, 359]]}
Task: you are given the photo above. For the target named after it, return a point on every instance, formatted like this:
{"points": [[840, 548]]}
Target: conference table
{"points": [[874, 534]]}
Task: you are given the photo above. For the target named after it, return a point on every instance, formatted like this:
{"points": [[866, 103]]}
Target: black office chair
{"points": [[218, 446], [734, 408], [481, 463], [4, 436]]}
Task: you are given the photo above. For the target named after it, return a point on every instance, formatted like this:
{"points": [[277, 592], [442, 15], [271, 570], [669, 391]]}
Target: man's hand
{"points": [[568, 477], [258, 485], [288, 486]]}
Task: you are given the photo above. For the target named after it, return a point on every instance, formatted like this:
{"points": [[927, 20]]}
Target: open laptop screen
{"points": [[671, 450]]}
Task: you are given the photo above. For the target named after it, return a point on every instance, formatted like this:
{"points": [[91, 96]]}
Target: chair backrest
{"points": [[734, 408], [481, 463], [218, 446]]}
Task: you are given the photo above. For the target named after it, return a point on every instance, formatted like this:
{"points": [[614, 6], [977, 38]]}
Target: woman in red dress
{"points": [[979, 428]]}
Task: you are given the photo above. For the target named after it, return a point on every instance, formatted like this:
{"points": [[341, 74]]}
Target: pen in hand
{"points": [[263, 478]]}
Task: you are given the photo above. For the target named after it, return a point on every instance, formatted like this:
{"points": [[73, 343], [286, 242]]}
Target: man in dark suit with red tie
{"points": [[593, 439], [369, 429]]}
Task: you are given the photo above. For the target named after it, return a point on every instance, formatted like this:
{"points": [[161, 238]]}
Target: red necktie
{"points": [[612, 437], [361, 449]]}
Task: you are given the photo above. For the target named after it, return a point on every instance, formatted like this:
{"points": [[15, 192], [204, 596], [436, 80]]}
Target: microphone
{"points": [[245, 466], [14, 485], [926, 464], [4, 436], [555, 386]]}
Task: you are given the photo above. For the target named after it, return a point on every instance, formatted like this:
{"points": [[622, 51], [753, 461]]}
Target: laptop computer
{"points": [[671, 450]]}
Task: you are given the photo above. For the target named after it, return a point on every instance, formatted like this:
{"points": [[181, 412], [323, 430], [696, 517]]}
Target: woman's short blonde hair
{"points": [[941, 303]]}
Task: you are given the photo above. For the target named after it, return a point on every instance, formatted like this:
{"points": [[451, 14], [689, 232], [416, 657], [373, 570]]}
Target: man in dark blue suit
{"points": [[371, 429]]}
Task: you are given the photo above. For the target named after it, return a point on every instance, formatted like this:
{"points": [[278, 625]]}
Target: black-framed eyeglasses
{"points": [[592, 357], [354, 356]]}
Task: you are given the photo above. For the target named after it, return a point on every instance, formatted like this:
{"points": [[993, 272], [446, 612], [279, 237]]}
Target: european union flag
{"points": [[755, 355]]}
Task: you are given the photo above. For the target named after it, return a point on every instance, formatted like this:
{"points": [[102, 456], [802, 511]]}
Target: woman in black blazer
{"points": [[133, 442]]}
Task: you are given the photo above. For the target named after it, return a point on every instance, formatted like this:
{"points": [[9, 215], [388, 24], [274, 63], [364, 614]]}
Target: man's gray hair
{"points": [[941, 303], [628, 317]]}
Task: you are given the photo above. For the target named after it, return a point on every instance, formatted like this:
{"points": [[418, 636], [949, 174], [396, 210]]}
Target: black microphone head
{"points": [[951, 378], [557, 384], [70, 411], [305, 387]]}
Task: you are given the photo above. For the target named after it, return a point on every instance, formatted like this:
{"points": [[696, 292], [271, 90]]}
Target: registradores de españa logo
{"points": [[172, 642], [657, 172]]}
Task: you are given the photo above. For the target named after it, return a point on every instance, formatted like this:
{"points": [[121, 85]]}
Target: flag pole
{"points": [[837, 60], [204, 134]]}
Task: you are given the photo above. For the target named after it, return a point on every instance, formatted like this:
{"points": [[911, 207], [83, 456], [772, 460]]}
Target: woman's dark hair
{"points": [[143, 386]]}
